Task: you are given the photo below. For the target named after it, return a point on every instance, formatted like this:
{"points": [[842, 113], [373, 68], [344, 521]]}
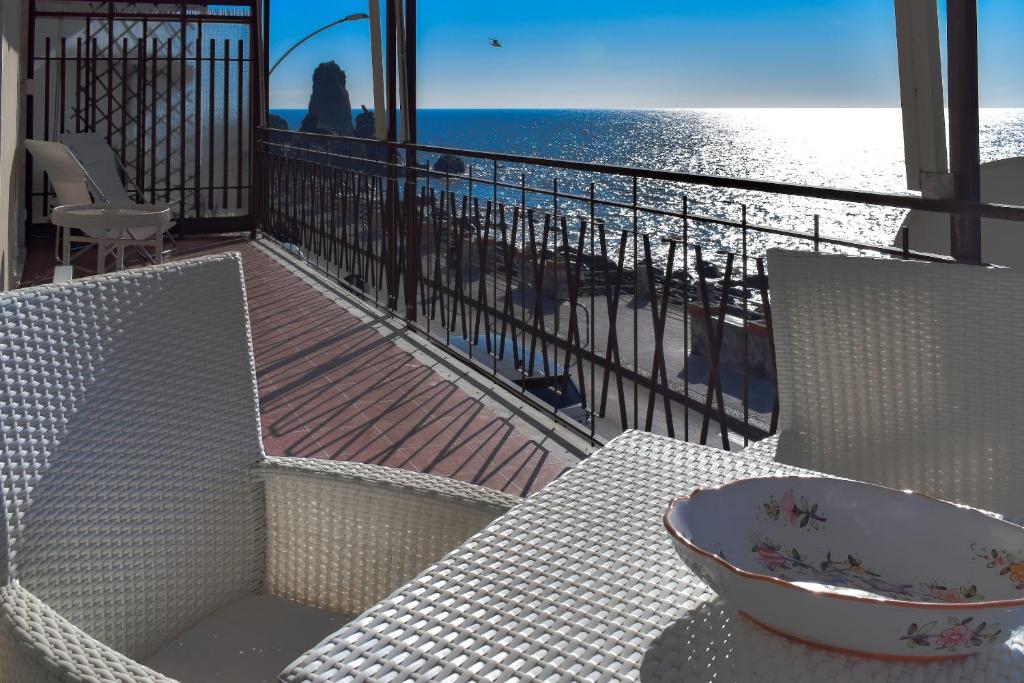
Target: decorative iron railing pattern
{"points": [[559, 291]]}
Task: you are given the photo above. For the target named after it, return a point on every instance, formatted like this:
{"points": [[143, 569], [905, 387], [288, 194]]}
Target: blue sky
{"points": [[629, 54]]}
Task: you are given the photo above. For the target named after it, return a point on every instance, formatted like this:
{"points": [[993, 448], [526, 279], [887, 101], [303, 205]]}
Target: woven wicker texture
{"points": [[581, 583], [330, 543], [38, 641], [133, 480], [342, 536], [129, 427], [765, 448], [902, 373]]}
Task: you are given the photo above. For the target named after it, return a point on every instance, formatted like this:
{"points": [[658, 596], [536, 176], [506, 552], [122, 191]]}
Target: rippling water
{"points": [[851, 148]]}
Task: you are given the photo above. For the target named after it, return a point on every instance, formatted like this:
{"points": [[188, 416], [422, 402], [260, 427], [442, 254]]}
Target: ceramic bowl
{"points": [[855, 567]]}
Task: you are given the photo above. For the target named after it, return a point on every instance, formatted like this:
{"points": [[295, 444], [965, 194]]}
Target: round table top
{"points": [[110, 216]]}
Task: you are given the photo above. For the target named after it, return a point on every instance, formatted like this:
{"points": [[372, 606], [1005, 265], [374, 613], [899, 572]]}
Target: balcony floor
{"points": [[335, 383]]}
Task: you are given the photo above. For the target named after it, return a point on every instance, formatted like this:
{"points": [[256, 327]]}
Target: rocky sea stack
{"points": [[330, 109]]}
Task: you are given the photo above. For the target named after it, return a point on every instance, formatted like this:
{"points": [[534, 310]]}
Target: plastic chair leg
{"points": [[101, 257]]}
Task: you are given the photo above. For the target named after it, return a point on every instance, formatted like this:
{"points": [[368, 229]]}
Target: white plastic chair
{"points": [[102, 166], [146, 537], [107, 176], [902, 373], [93, 200]]}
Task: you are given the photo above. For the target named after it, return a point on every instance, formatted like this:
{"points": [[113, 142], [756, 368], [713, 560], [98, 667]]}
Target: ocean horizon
{"points": [[855, 148]]}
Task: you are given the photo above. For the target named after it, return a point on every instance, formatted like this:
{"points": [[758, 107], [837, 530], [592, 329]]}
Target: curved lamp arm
{"points": [[351, 17]]}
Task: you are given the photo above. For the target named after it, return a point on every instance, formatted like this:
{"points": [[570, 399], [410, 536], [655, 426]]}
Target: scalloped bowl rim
{"points": [[886, 601]]}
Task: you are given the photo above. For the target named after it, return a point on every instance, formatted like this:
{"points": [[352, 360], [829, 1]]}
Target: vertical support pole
{"points": [[16, 25], [197, 118], [265, 66], [155, 95], [921, 103], [379, 103], [29, 114], [110, 72], [403, 92], [26, 28], [141, 83], [962, 54], [182, 113], [30, 39], [169, 121], [212, 131], [409, 108], [391, 64], [259, 112], [241, 109], [47, 108], [413, 232], [390, 253]]}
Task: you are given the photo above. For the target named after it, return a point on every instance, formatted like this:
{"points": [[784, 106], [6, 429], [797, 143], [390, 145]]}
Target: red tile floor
{"points": [[333, 386]]}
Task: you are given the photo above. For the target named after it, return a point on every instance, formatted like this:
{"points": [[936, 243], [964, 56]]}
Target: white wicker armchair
{"points": [[136, 495], [902, 373]]}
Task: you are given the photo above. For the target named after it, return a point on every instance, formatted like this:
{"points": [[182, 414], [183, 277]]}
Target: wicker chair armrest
{"points": [[342, 536], [37, 645], [765, 448]]}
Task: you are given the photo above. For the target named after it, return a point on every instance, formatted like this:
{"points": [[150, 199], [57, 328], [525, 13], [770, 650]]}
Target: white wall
{"points": [[13, 27], [1002, 242]]}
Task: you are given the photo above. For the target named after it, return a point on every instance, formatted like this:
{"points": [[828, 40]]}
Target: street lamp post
{"points": [[351, 17]]}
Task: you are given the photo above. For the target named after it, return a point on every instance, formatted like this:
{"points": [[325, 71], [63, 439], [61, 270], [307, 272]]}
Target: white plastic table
{"points": [[581, 583], [119, 224]]}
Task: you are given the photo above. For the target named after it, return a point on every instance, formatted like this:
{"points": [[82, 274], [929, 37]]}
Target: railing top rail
{"points": [[905, 252], [899, 201]]}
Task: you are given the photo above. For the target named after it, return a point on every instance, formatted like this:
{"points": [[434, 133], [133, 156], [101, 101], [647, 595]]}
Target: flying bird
{"points": [[495, 42]]}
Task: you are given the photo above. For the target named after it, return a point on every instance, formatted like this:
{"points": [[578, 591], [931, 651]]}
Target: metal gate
{"points": [[169, 85]]}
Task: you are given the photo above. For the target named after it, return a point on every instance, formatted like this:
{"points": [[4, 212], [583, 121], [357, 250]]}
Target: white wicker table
{"points": [[581, 583]]}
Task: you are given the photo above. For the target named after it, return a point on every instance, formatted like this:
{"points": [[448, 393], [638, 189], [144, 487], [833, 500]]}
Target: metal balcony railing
{"points": [[612, 309]]}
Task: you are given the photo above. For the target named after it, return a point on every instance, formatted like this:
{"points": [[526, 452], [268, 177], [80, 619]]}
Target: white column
{"points": [[380, 118], [13, 38], [921, 96], [924, 122]]}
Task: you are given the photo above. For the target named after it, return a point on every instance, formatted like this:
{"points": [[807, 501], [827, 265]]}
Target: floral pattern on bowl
{"points": [[1006, 562], [850, 572], [954, 635], [856, 567], [799, 512]]}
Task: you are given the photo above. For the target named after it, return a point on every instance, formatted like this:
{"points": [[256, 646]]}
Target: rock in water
{"points": [[329, 99], [449, 163], [279, 126], [311, 124], [365, 126]]}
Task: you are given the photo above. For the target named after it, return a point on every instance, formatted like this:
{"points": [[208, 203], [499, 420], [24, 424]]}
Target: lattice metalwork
{"points": [[169, 87]]}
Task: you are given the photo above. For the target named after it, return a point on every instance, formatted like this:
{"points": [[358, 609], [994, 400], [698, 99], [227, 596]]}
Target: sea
{"points": [[847, 148]]}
